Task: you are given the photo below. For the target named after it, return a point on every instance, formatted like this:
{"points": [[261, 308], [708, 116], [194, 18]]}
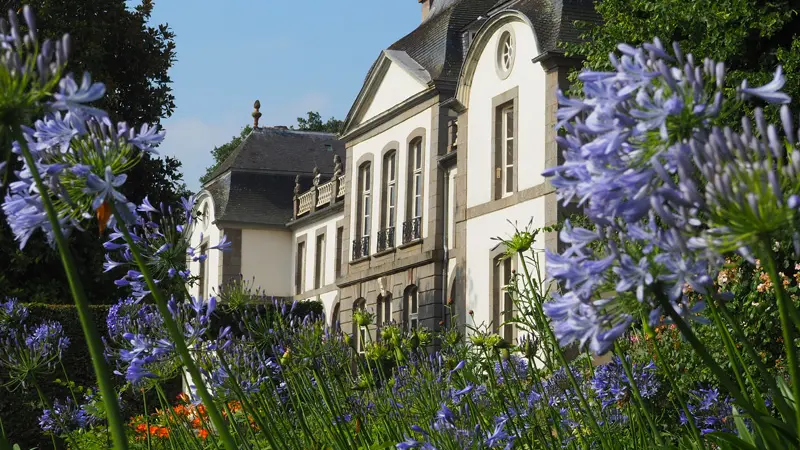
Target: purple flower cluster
{"points": [[141, 346], [663, 186], [710, 411], [513, 367], [162, 236], [12, 315], [65, 417], [612, 386]]}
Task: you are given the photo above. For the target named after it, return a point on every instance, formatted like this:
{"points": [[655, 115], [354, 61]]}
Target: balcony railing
{"points": [[341, 187], [324, 193], [305, 201], [412, 230], [360, 248], [386, 239]]}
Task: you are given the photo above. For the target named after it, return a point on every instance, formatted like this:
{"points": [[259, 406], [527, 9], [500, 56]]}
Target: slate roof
{"points": [[255, 184], [436, 43]]}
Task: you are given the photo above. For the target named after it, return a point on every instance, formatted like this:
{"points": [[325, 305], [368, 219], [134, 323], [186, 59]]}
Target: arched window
{"points": [[413, 224], [206, 218], [335, 326], [359, 333], [364, 216], [384, 310], [388, 201], [410, 308]]}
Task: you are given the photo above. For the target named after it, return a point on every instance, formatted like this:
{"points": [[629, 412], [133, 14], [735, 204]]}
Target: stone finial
{"points": [[316, 175], [337, 166], [297, 185], [256, 113]]}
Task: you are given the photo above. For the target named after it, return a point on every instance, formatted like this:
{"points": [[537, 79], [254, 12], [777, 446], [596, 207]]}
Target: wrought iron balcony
{"points": [[386, 239], [412, 230], [360, 248]]}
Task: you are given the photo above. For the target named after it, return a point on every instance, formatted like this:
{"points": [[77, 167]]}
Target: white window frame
{"points": [[502, 302], [390, 186], [416, 178], [508, 164], [411, 308]]}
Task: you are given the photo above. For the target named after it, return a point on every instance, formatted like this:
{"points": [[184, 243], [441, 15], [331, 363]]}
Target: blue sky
{"points": [[293, 55]]}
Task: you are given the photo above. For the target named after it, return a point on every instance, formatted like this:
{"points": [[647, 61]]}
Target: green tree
{"points": [[115, 44], [751, 36], [222, 152], [314, 123], [311, 123]]}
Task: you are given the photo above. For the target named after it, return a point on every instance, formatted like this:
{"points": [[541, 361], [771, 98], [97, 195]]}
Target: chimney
{"points": [[426, 8]]}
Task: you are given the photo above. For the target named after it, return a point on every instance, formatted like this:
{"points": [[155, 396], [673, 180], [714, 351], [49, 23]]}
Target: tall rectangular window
{"points": [[319, 262], [203, 276], [411, 308], [339, 249], [389, 190], [416, 178], [299, 270], [502, 302], [365, 199], [505, 145]]}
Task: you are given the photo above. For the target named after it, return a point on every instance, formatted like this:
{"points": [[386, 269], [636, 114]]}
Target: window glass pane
{"points": [[418, 155], [413, 323], [391, 167], [414, 302], [510, 179], [509, 122], [509, 152]]}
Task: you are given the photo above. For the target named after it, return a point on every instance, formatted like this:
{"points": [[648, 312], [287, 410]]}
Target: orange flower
{"points": [[163, 432], [197, 423], [201, 409], [141, 428], [153, 429], [203, 433]]}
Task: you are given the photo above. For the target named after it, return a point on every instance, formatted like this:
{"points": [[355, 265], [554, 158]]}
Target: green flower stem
{"points": [[551, 336], [626, 366], [664, 365], [146, 420], [90, 332], [177, 337], [786, 323], [787, 412], [702, 352]]}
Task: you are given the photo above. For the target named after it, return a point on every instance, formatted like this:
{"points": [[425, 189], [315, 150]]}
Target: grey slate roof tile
{"points": [[255, 184]]}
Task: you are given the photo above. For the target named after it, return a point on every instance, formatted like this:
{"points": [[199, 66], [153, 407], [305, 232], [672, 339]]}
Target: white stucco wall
{"points": [[329, 273], [375, 145], [480, 245], [265, 258], [396, 86], [529, 78], [212, 235]]}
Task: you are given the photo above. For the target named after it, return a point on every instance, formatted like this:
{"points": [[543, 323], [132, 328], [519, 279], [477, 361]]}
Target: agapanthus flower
{"points": [[710, 410], [664, 188], [12, 316], [612, 386], [28, 352], [65, 417]]}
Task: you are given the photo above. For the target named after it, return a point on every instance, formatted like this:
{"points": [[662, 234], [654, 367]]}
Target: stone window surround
{"points": [[392, 146], [321, 231], [417, 133], [357, 206], [300, 285], [498, 102]]}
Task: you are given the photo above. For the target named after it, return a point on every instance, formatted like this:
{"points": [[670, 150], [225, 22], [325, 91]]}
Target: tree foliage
{"points": [[751, 36], [222, 152], [314, 123], [117, 46]]}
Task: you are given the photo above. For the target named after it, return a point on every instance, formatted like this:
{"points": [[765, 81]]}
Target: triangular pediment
{"points": [[394, 78]]}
